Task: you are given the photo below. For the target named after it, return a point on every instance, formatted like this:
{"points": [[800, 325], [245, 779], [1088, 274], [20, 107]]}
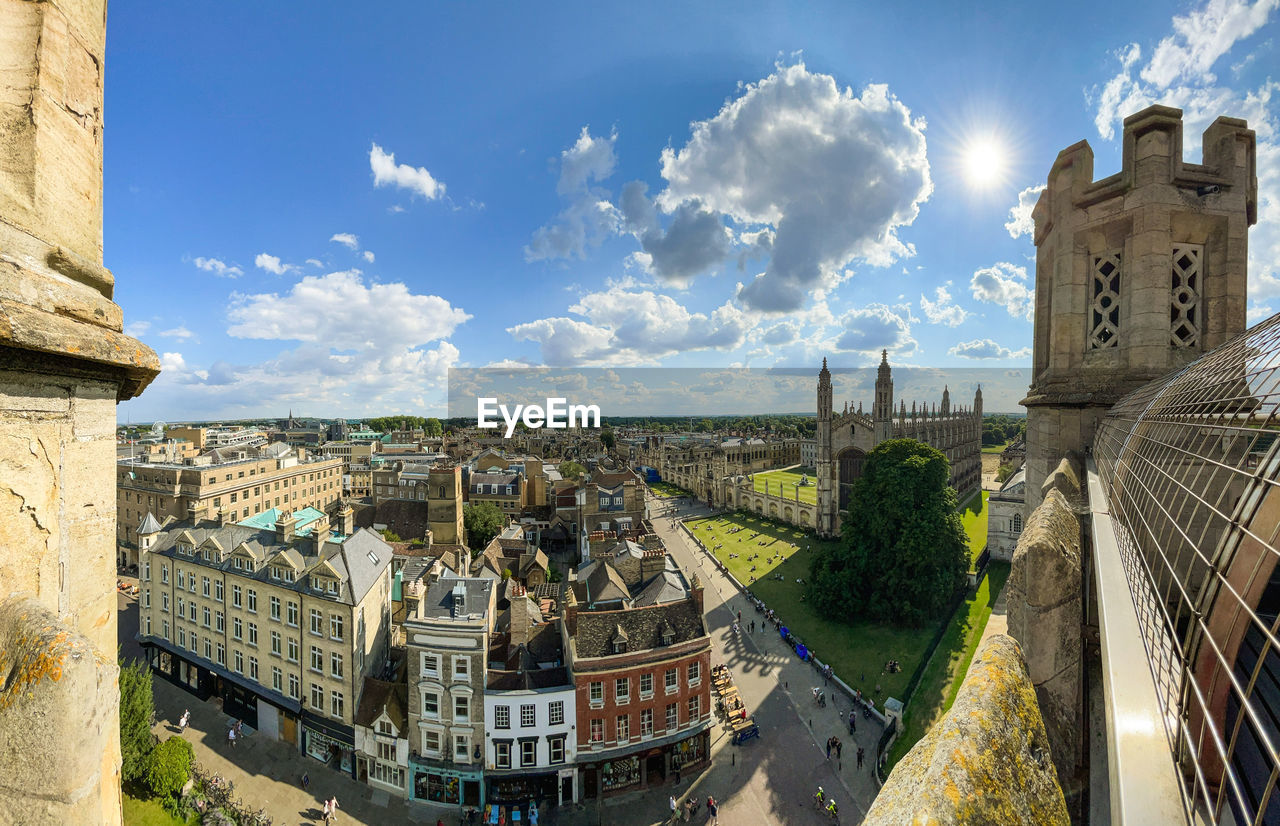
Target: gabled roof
{"points": [[643, 627], [605, 584], [149, 525], [377, 697], [666, 587]]}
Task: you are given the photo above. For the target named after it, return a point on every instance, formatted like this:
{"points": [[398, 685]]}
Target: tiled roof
{"points": [[642, 626], [376, 696]]}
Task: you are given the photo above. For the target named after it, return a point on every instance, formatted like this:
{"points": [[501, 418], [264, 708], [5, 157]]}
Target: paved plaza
{"points": [[770, 780]]}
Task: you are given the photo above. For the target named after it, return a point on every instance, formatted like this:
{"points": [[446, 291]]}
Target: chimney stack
{"points": [[285, 528]]}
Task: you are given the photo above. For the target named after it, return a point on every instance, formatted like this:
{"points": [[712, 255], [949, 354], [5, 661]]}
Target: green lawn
{"points": [[994, 448], [973, 514], [857, 652], [667, 490], [786, 483], [147, 813], [945, 672]]}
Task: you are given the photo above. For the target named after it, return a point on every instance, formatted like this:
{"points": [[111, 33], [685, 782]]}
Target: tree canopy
{"points": [[170, 767], [136, 709], [482, 521], [903, 553], [571, 470]]}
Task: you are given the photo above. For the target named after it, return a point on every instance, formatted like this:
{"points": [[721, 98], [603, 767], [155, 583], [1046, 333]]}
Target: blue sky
{"points": [[323, 208]]}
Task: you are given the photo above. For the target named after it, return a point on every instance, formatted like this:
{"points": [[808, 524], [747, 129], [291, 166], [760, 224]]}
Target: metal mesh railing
{"points": [[1190, 469]]}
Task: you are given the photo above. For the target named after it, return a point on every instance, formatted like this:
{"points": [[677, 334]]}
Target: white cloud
{"points": [[873, 328], [137, 328], [590, 216], [347, 240], [270, 263], [180, 333], [695, 240], [368, 256], [628, 326], [172, 363], [386, 172], [1020, 222], [1202, 36], [341, 311], [1005, 284], [985, 348], [1259, 313], [218, 267], [942, 310], [315, 262], [835, 176]]}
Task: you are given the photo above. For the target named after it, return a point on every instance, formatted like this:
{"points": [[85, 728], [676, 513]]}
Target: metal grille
{"points": [[1190, 470]]}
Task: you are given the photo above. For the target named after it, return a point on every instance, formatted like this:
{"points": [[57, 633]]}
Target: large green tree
{"points": [[170, 767], [482, 521], [571, 470], [904, 552], [607, 438], [136, 709]]}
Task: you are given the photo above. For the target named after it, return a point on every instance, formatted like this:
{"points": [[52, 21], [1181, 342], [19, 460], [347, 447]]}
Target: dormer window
{"points": [[668, 637], [275, 572], [317, 584], [333, 586], [619, 646]]}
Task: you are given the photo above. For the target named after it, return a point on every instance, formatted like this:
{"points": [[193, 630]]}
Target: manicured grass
{"points": [[995, 448], [786, 483], [667, 490], [945, 672], [858, 651], [973, 514], [147, 813]]}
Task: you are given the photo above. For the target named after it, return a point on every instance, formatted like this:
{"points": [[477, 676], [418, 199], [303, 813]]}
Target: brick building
{"points": [[640, 657]]}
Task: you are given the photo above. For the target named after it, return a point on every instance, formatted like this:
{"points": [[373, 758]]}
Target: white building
{"points": [[531, 747], [382, 736], [1004, 516]]}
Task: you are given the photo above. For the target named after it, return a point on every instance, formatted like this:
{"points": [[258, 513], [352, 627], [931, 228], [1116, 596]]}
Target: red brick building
{"points": [[640, 656]]}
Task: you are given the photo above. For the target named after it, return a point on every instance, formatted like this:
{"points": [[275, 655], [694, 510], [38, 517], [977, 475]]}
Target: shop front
{"points": [[448, 786], [652, 766], [330, 743], [521, 789]]}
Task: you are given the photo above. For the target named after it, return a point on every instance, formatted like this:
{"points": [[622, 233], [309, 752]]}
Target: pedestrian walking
{"points": [[713, 812], [328, 812], [184, 720], [839, 748], [860, 753], [828, 748], [231, 737]]}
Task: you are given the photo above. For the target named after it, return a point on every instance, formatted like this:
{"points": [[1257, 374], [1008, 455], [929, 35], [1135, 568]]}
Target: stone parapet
{"points": [[1046, 614], [985, 761], [58, 717]]}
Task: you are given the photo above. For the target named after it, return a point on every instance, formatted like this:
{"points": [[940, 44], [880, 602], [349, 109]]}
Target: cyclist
{"points": [[831, 808], [820, 797]]}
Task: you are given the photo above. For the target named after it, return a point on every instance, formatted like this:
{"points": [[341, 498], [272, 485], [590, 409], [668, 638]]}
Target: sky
{"points": [[323, 209]]}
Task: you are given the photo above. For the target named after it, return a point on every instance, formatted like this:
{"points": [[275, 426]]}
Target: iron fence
{"points": [[1190, 471]]}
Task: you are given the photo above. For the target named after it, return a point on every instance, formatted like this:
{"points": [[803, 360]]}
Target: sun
{"points": [[985, 161]]}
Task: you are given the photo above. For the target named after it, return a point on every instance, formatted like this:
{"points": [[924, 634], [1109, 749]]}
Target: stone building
{"points": [[1137, 274], [242, 482], [1005, 514], [64, 364], [448, 644], [281, 621], [640, 656]]}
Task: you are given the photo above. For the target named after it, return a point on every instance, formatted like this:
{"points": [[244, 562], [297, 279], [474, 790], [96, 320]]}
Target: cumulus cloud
{"points": [[695, 239], [876, 327], [368, 256], [386, 172], [180, 333], [172, 363], [985, 348], [834, 175], [1202, 36], [1005, 284], [218, 267], [1020, 222], [340, 310], [1259, 313], [272, 264], [627, 326], [347, 240], [589, 216], [941, 310], [137, 328]]}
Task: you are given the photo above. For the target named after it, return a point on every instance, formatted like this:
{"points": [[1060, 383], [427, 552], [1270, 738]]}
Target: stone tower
{"points": [[1137, 274], [64, 364], [826, 493], [946, 400], [444, 505], [882, 411]]}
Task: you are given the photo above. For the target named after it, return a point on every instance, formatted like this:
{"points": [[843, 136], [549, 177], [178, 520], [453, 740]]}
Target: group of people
{"points": [[689, 808], [827, 804], [234, 732], [893, 666]]}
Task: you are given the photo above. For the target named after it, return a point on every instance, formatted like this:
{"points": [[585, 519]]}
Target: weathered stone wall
{"points": [[64, 363], [985, 761], [1045, 599]]}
